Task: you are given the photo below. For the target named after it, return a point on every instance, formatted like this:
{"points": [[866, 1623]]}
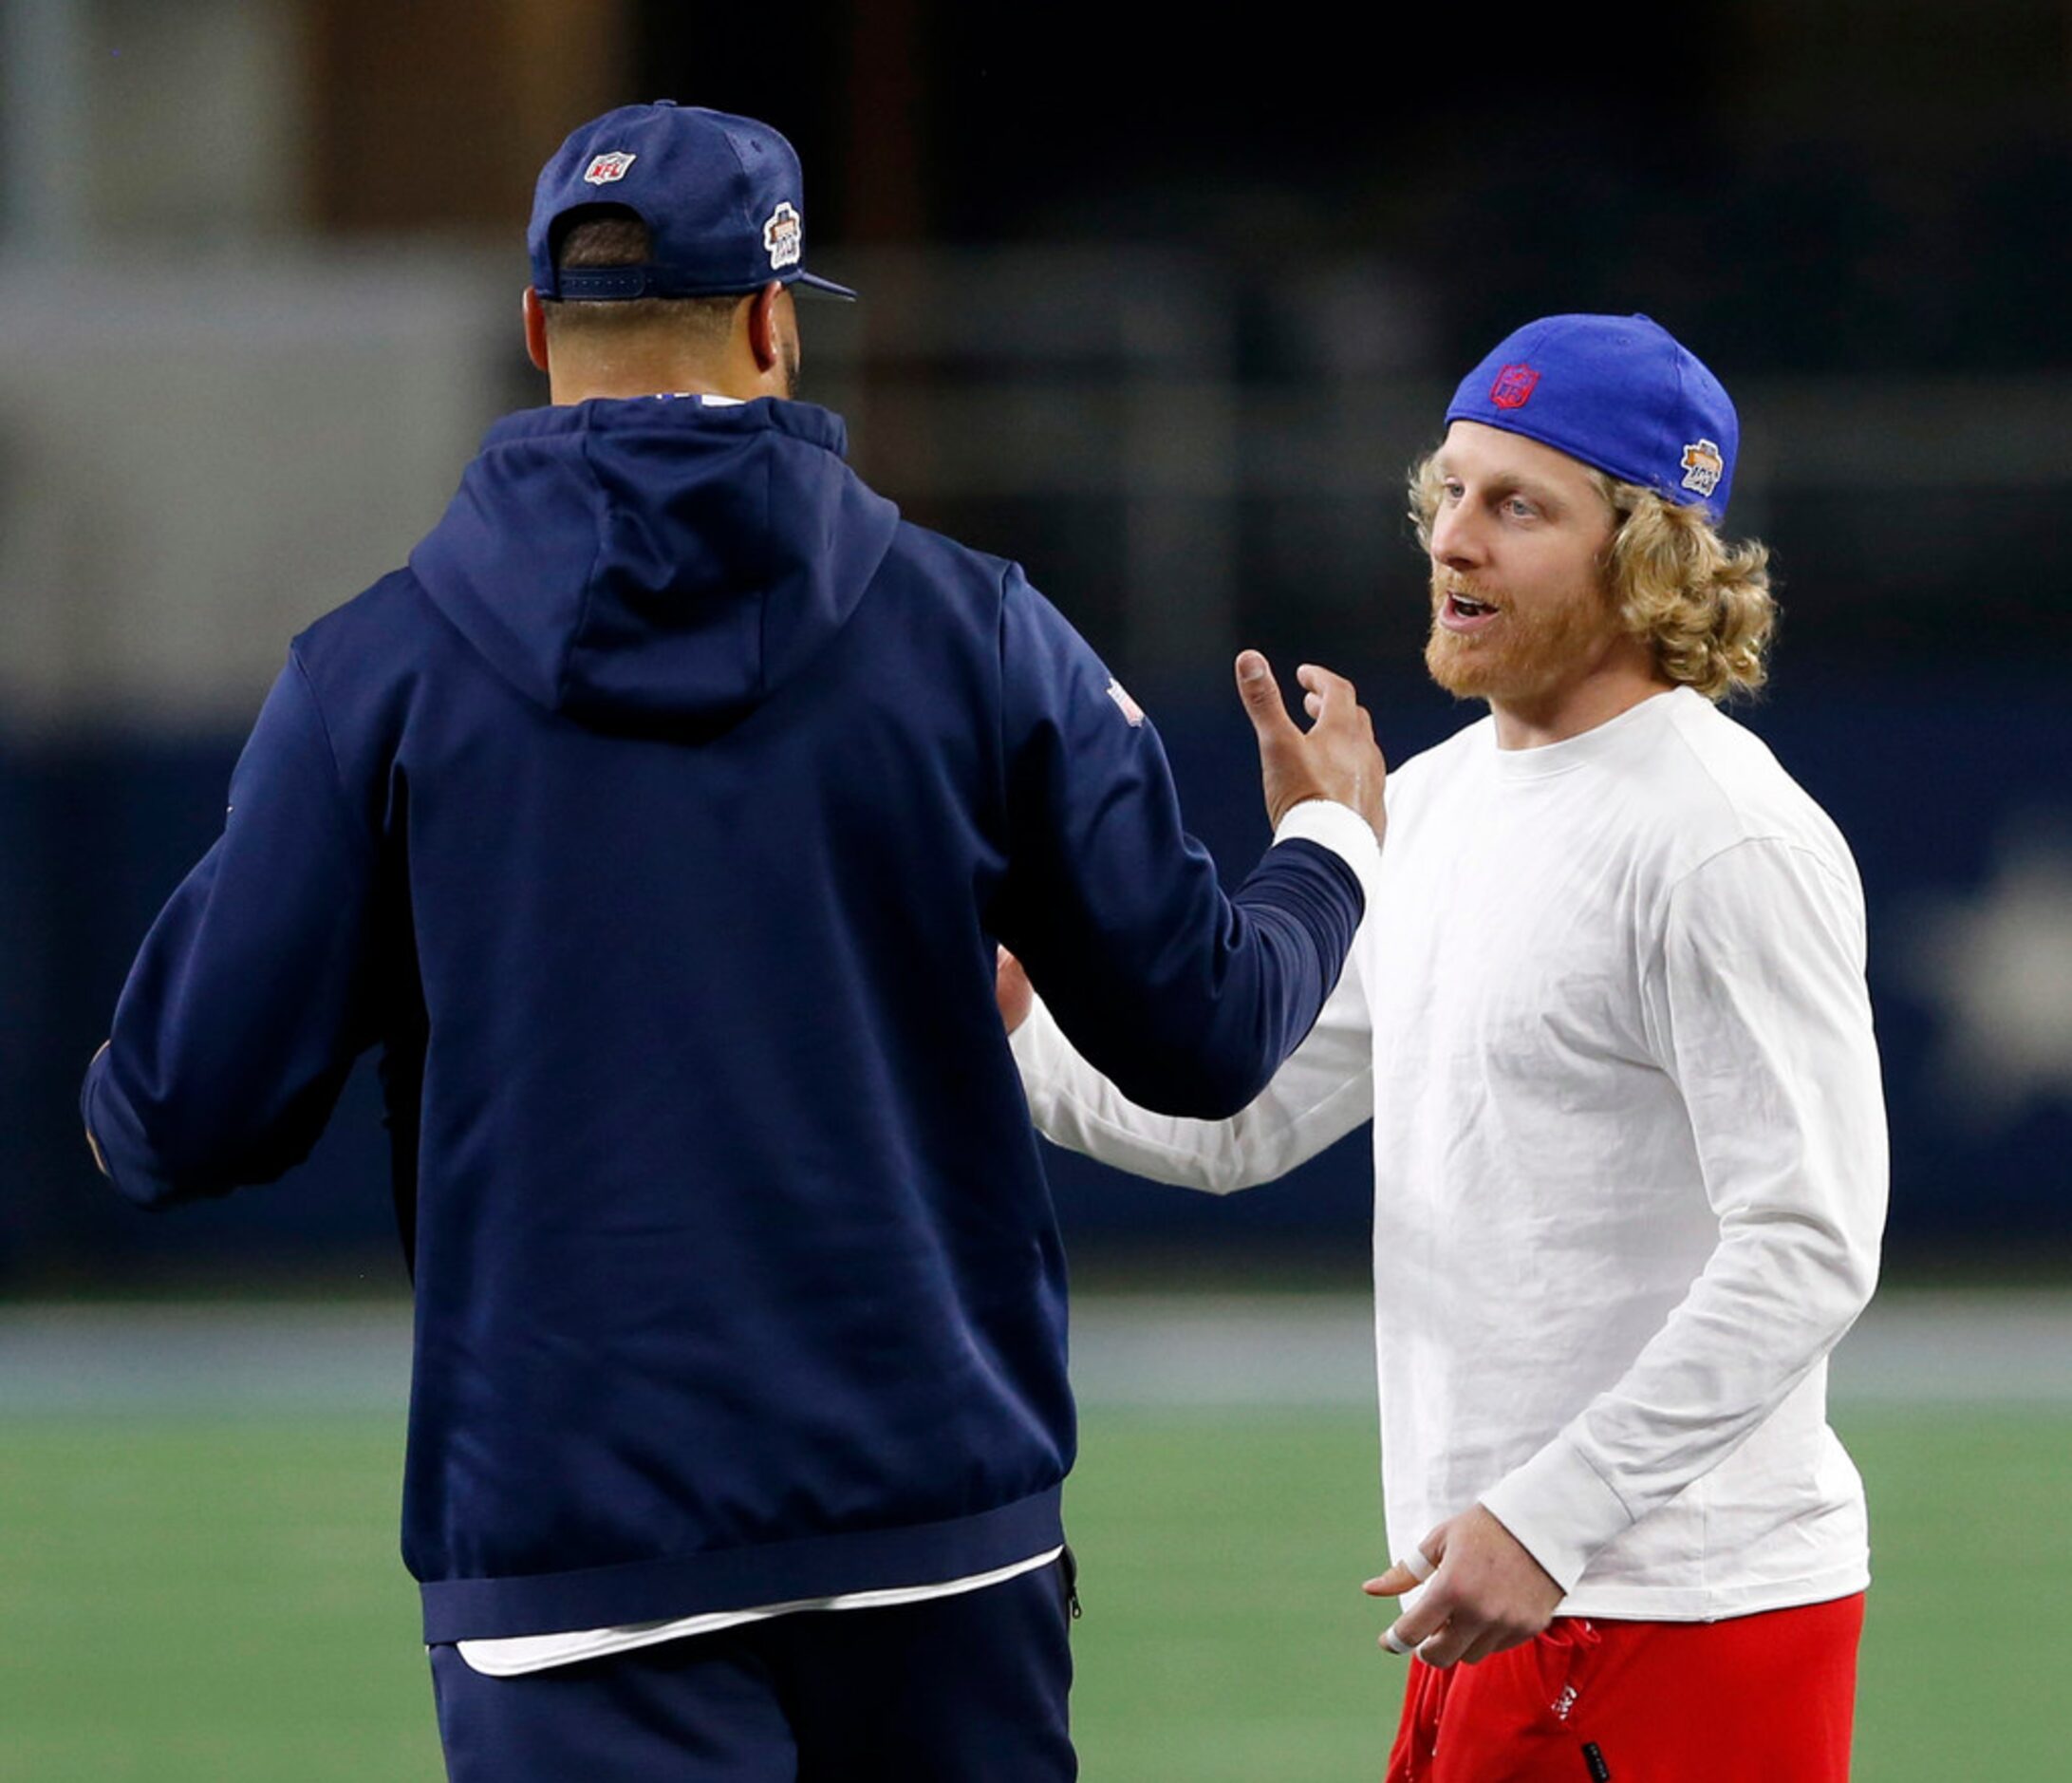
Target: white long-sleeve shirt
{"points": [[1607, 1011]]}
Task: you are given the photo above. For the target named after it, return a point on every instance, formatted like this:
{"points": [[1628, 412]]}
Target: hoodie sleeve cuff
{"points": [[116, 1138], [1341, 829], [1560, 1510], [86, 1110]]}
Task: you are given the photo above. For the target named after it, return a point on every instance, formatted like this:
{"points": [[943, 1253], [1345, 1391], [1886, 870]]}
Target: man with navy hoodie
{"points": [[626, 821]]}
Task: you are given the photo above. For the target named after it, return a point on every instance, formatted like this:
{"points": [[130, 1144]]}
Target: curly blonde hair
{"points": [[1704, 604]]}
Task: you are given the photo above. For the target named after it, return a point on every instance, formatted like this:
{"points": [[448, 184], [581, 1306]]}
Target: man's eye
{"points": [[1519, 508]]}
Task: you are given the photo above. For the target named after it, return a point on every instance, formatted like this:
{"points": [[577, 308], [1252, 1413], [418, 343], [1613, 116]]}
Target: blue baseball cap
{"points": [[1617, 392], [722, 199]]}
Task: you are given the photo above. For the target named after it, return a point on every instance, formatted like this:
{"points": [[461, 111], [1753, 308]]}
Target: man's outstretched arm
{"points": [[1323, 1091], [248, 1002], [1186, 999]]}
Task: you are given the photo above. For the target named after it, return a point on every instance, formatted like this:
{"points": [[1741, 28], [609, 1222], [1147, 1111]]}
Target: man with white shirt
{"points": [[1607, 1012], [658, 821]]}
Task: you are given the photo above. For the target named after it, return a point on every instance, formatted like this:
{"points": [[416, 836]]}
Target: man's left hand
{"points": [[1485, 1593], [1012, 991]]}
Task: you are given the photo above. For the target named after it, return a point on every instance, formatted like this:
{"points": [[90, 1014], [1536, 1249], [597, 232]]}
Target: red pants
{"points": [[1769, 1696]]}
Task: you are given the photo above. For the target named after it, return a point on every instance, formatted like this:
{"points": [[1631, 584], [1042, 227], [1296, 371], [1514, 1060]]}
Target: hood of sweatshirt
{"points": [[656, 560]]}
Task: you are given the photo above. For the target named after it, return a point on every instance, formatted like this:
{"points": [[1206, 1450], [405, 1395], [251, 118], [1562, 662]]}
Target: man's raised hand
{"points": [[1334, 759], [1012, 989]]}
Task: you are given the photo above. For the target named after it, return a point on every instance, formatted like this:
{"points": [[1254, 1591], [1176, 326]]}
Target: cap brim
{"points": [[826, 287]]}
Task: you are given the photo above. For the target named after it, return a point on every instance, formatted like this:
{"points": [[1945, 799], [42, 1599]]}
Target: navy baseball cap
{"points": [[1617, 392], [722, 199]]}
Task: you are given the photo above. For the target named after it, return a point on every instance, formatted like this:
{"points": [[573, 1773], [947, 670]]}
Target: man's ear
{"points": [[536, 329], [763, 341]]}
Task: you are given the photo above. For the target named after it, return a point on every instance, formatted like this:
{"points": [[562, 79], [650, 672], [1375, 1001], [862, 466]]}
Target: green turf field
{"points": [[217, 1599]]}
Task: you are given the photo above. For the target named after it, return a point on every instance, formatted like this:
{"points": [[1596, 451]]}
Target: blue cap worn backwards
{"points": [[721, 198], [1617, 392]]}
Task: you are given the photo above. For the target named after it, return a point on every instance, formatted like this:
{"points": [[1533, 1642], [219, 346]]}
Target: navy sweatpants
{"points": [[966, 1689]]}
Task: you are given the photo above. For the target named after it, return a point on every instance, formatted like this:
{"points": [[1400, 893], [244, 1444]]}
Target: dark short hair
{"points": [[612, 235], [601, 235]]}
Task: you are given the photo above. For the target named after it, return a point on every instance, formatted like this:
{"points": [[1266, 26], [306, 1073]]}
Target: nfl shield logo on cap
{"points": [[1513, 385], [606, 168]]}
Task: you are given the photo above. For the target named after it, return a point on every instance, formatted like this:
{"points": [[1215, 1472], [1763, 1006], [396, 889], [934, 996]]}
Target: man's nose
{"points": [[1456, 540]]}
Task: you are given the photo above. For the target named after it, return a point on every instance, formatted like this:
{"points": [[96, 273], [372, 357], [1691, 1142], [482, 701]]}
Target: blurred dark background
{"points": [[1163, 309]]}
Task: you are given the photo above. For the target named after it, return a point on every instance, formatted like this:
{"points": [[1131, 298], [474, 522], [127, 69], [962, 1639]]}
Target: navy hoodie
{"points": [[658, 823]]}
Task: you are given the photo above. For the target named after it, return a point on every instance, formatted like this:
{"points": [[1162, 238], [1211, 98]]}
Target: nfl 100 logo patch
{"points": [[1703, 466], [603, 169], [784, 235], [1514, 384]]}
